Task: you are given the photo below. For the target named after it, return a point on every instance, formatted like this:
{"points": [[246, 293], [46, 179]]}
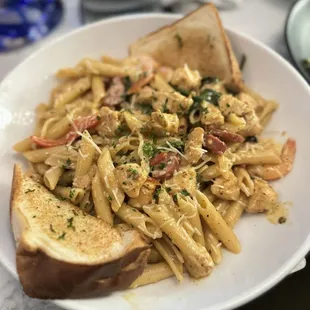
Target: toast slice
{"points": [[63, 252], [198, 40]]}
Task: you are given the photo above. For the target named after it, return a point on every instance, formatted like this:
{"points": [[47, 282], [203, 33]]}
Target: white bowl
{"points": [[269, 252]]}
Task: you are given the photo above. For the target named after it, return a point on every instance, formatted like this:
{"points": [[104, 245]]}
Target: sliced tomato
{"points": [[81, 124]]}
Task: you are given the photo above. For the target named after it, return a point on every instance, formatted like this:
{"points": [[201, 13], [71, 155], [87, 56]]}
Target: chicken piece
{"points": [[164, 124], [146, 194], [110, 122], [184, 179], [145, 96], [131, 178], [186, 79], [248, 99], [229, 104], [212, 116], [193, 145], [226, 188], [171, 102], [252, 125], [263, 199]]}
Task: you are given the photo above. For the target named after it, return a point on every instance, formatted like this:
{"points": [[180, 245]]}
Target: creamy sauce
{"points": [[279, 213]]}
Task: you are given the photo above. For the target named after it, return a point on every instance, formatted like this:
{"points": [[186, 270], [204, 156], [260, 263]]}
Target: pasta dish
{"points": [[169, 152]]}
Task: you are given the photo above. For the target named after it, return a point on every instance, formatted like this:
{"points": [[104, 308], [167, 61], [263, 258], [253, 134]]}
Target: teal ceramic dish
{"points": [[297, 34]]}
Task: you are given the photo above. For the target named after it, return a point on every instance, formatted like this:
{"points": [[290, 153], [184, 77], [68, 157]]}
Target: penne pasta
{"points": [[40, 155], [188, 207], [154, 256], [77, 89], [101, 202], [139, 220], [105, 69], [86, 155], [98, 89], [195, 255], [217, 224], [153, 273], [75, 195], [169, 256], [106, 172], [52, 176], [213, 245], [23, 146]]}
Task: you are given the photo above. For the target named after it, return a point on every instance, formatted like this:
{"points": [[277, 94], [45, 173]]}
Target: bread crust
{"points": [[44, 275], [210, 58]]}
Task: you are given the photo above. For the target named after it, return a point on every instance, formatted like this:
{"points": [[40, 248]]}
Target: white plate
{"points": [[269, 252]]}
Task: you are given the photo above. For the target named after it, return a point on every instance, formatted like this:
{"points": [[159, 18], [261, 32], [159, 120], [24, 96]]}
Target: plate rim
{"points": [[285, 269], [288, 22]]}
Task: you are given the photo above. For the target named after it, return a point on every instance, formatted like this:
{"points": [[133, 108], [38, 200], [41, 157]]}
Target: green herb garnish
{"points": [[145, 108], [127, 82], [133, 172], [149, 149], [156, 193], [184, 192], [98, 117], [209, 95], [161, 166], [70, 223], [110, 198], [209, 80], [72, 192], [179, 145], [62, 236], [251, 139], [29, 191], [179, 39]]}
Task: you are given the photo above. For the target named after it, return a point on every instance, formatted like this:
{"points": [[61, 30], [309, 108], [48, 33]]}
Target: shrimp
{"points": [[145, 68], [273, 172]]}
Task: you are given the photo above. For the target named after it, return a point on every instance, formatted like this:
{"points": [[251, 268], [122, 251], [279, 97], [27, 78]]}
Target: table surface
{"points": [[262, 19]]}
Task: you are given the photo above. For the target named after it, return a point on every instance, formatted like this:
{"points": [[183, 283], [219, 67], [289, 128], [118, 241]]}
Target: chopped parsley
{"points": [[72, 192], [175, 198], [110, 198], [62, 236], [182, 91], [60, 198], [145, 108], [149, 149], [98, 117], [52, 229], [165, 108], [251, 139], [179, 39], [121, 130], [179, 145], [209, 95], [227, 105], [156, 194], [70, 223], [29, 190], [209, 80], [168, 189], [124, 183], [127, 82], [184, 192], [161, 166], [133, 172]]}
